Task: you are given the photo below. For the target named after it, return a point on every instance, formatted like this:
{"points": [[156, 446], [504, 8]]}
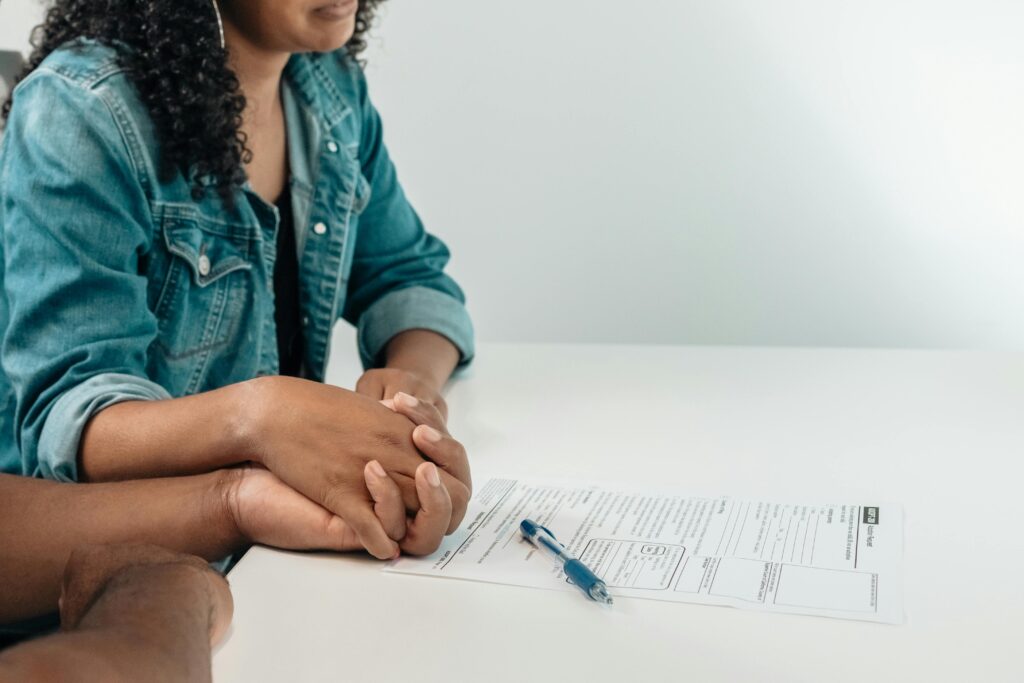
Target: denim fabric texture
{"points": [[119, 286]]}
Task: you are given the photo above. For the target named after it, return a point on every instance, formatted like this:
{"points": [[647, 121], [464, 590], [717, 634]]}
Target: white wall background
{"points": [[808, 172], [17, 17]]}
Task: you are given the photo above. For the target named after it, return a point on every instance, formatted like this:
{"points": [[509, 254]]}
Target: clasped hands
{"points": [[341, 470]]}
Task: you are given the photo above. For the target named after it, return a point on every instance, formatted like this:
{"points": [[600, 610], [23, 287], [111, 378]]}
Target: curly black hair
{"points": [[171, 51]]}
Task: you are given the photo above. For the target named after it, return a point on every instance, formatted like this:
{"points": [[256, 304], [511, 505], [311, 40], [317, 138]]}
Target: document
{"points": [[840, 560]]}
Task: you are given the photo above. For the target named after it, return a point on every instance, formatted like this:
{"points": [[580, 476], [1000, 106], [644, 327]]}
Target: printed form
{"points": [[833, 560]]}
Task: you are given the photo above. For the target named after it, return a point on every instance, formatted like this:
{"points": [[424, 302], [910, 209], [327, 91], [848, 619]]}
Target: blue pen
{"points": [[578, 573]]}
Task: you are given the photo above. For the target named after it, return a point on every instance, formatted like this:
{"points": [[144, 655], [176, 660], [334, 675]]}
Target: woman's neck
{"points": [[259, 75]]}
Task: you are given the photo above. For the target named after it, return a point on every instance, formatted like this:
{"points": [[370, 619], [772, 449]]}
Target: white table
{"points": [[941, 432]]}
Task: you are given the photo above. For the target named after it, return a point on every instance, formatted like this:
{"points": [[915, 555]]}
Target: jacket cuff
{"points": [[414, 308], [57, 452]]}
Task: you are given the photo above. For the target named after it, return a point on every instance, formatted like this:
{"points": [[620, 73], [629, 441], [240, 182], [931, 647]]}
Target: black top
{"points": [[287, 313]]}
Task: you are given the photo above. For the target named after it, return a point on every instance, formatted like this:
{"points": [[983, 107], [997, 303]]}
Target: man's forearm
{"points": [[149, 623], [429, 355], [41, 522]]}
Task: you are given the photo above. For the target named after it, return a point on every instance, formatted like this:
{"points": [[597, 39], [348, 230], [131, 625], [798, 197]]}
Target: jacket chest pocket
{"points": [[200, 286]]}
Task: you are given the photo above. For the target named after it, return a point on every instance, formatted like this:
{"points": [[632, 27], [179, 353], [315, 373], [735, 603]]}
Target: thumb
{"points": [[272, 513]]}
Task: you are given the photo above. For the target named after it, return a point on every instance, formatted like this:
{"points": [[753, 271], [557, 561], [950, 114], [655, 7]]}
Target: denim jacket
{"points": [[119, 286]]}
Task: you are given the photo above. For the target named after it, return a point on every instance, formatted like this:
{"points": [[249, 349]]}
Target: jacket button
{"points": [[332, 147], [320, 228], [204, 265]]}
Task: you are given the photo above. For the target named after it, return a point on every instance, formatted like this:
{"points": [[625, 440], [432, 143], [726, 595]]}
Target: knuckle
{"points": [[397, 529], [421, 545], [389, 506], [334, 494], [450, 448], [335, 476], [84, 554], [459, 498], [364, 523], [79, 559], [387, 439], [329, 525]]}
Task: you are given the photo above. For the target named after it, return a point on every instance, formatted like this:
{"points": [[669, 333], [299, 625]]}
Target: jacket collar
{"points": [[315, 90]]}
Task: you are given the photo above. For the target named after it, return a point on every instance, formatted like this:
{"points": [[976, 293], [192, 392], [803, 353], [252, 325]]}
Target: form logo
{"points": [[870, 515]]}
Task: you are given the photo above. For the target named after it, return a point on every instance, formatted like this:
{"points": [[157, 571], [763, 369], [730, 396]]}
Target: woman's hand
{"points": [[431, 436], [383, 383], [418, 362], [319, 439]]}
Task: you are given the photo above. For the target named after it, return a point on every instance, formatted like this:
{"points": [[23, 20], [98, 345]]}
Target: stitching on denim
{"points": [[128, 136], [341, 110], [206, 344], [213, 225], [167, 291]]}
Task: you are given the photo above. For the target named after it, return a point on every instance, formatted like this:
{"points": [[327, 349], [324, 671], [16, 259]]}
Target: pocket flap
{"points": [[209, 256]]}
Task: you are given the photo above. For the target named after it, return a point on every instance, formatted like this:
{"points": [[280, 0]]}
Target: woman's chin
{"points": [[327, 34], [329, 40]]}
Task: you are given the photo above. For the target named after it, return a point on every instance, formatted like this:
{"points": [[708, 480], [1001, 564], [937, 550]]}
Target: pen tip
{"points": [[600, 593]]}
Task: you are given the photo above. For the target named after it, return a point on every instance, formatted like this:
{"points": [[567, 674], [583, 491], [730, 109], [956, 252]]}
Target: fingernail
{"points": [[377, 470], [407, 399], [433, 478], [431, 434], [388, 403]]}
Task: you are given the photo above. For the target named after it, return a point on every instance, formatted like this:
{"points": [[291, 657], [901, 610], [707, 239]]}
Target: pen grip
{"points": [[580, 575]]}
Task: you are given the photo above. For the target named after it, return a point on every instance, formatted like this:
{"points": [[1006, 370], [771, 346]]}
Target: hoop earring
{"points": [[220, 23]]}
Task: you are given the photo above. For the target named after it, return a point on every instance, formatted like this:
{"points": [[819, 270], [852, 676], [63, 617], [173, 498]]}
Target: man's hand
{"points": [[129, 613], [383, 383], [98, 571], [318, 440], [267, 511]]}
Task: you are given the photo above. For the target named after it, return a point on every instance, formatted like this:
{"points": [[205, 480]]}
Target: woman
{"points": [[192, 195]]}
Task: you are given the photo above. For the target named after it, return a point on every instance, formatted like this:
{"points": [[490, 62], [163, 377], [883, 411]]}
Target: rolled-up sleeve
{"points": [[57, 452], [75, 226], [398, 280], [414, 308]]}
